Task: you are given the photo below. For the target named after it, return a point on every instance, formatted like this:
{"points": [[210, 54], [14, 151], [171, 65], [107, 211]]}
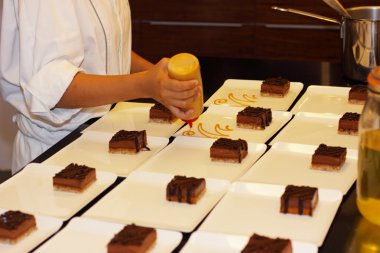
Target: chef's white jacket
{"points": [[44, 43]]}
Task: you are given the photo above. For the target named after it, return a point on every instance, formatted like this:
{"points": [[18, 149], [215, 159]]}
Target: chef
{"points": [[63, 62]]}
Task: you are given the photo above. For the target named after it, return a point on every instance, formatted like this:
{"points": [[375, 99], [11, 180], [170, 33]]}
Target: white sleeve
{"points": [[51, 50]]}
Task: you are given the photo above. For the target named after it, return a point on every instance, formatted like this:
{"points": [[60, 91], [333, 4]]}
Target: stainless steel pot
{"points": [[361, 39]]}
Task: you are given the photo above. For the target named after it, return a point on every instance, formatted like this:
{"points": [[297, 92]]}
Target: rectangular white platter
{"points": [[190, 156], [220, 121], [133, 116], [31, 191], [141, 199], [87, 235], [289, 163], [91, 149], [326, 99], [242, 93], [315, 129], [255, 208], [204, 242], [46, 226]]}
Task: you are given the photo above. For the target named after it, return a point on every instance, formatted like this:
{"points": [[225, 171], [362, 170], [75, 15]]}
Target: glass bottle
{"points": [[368, 182], [184, 67]]}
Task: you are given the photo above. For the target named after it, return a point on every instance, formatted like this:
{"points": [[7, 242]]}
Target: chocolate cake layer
{"points": [[160, 114], [74, 178], [349, 123], [224, 149], [15, 224], [263, 244], [254, 118], [132, 238], [358, 94], [276, 87], [185, 189], [128, 142], [300, 200], [328, 157]]}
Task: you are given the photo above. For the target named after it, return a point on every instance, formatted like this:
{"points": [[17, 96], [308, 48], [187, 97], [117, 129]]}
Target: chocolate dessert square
{"points": [[133, 239], [185, 189], [227, 150], [158, 113], [275, 87], [349, 123], [262, 244], [74, 178], [328, 158], [128, 142], [254, 118], [14, 225], [300, 200], [358, 94]]}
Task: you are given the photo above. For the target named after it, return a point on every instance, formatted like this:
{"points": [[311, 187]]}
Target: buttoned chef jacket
{"points": [[44, 44]]}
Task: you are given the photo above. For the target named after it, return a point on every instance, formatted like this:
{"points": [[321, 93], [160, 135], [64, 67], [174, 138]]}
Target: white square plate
{"points": [[255, 208], [242, 93], [31, 191], [92, 149], [46, 226], [289, 163], [141, 199], [190, 156], [326, 99], [220, 121], [133, 116], [315, 129], [204, 242], [86, 235]]}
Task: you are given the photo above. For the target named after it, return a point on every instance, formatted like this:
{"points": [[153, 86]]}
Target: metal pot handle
{"points": [[308, 14]]}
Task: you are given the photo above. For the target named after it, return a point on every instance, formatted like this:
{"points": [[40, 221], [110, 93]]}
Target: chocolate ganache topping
{"points": [[351, 116], [323, 149], [11, 220], [279, 81], [74, 171], [259, 243], [132, 235]]}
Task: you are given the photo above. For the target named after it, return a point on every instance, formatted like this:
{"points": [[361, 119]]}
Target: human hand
{"points": [[177, 96]]}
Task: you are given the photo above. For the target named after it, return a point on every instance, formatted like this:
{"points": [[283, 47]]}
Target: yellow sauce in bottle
{"points": [[368, 199], [184, 67]]}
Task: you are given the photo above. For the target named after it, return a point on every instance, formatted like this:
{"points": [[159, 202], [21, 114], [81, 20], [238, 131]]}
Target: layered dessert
{"points": [[254, 118], [263, 244], [128, 142], [330, 158], [300, 200], [133, 239], [74, 178], [358, 94], [15, 225], [158, 113], [275, 87], [185, 189], [349, 123], [227, 150]]}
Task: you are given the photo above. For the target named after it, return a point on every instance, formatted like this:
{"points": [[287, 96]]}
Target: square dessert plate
{"points": [[133, 116], [289, 163], [46, 226], [87, 235], [204, 242], [190, 156], [242, 93], [314, 129], [220, 121], [91, 149], [141, 199], [326, 99], [31, 191], [251, 208]]}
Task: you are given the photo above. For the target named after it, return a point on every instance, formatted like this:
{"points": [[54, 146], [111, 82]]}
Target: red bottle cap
{"points": [[190, 121]]}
